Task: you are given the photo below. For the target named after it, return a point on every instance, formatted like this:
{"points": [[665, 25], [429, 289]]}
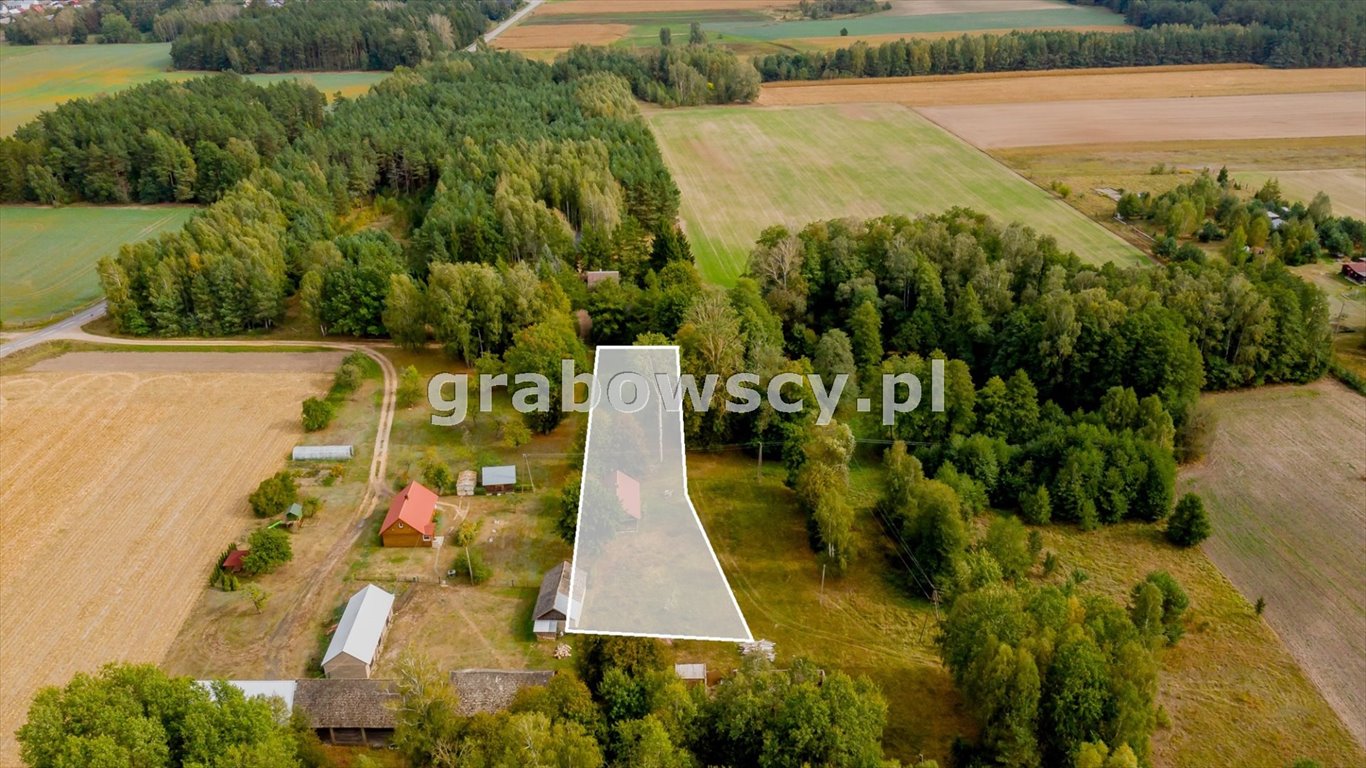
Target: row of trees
{"points": [[113, 21], [674, 76], [824, 9], [157, 143], [626, 707], [1328, 45], [335, 35]]}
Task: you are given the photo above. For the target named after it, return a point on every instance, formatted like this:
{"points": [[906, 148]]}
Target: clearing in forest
{"points": [[1285, 485], [48, 255], [742, 170], [126, 487]]}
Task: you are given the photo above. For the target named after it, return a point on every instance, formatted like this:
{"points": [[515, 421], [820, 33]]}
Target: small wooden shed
{"points": [[501, 479]]}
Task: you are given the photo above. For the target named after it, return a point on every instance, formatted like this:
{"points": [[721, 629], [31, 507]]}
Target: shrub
{"points": [[470, 565], [437, 476], [274, 495], [409, 387], [317, 414], [1035, 507], [1189, 524], [1174, 602], [347, 379], [270, 549]]}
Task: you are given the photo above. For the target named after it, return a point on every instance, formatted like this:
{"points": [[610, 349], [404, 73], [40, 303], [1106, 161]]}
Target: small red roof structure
{"points": [[233, 562], [628, 493], [1355, 271], [415, 506]]}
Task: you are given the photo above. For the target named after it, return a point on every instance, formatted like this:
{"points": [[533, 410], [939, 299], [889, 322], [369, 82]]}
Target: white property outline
{"points": [[570, 618]]}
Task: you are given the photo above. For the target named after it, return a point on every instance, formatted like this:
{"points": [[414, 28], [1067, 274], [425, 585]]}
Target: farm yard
{"points": [[48, 255], [34, 79], [136, 467], [742, 170], [1283, 481]]}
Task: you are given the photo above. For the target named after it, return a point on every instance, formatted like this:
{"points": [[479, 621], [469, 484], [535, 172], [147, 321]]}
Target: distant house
{"points": [[323, 453], [411, 519], [1276, 221], [465, 482], [628, 493], [233, 562], [492, 690], [594, 278], [294, 515], [692, 674], [499, 479], [1355, 271], [349, 712], [359, 635], [552, 604]]}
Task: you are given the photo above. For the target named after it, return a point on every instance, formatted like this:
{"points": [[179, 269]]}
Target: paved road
{"points": [[55, 331], [506, 25]]}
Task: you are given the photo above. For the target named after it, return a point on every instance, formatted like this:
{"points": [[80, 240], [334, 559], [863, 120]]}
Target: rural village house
{"points": [[552, 604], [411, 519]]}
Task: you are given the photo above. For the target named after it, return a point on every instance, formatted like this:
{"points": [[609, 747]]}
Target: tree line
{"points": [[1333, 42], [672, 75], [160, 142], [335, 35]]}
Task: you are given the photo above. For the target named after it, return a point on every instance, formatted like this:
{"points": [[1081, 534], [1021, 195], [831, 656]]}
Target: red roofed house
{"points": [[628, 493], [1355, 271], [410, 520], [233, 562]]}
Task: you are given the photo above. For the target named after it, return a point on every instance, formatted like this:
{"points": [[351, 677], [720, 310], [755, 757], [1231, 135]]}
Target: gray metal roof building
{"points": [[323, 453]]}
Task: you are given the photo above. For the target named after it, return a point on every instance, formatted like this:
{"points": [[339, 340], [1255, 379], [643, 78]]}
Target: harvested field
{"points": [[610, 7], [48, 255], [832, 43], [1289, 115], [936, 7], [1066, 85], [742, 170], [943, 17], [1285, 484], [132, 483], [559, 37], [1346, 187]]}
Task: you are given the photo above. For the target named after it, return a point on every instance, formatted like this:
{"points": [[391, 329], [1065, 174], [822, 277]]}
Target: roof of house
{"points": [[554, 595], [284, 689], [347, 703], [361, 626], [1354, 267], [235, 558], [628, 493], [691, 671], [415, 506], [466, 476], [307, 452], [295, 510], [492, 690], [504, 475], [594, 277]]}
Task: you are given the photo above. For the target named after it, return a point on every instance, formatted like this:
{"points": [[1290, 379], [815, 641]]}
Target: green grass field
{"points": [[909, 24], [744, 169], [37, 78], [48, 255]]}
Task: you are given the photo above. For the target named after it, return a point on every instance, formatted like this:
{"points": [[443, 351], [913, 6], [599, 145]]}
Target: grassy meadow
{"points": [[895, 23], [48, 255], [37, 78], [742, 170]]}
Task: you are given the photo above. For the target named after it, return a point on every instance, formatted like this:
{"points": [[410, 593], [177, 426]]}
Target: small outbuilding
{"points": [[552, 604], [360, 634], [691, 674], [234, 561], [349, 712], [323, 453], [594, 278], [1355, 271], [499, 479], [628, 494], [411, 521], [465, 482]]}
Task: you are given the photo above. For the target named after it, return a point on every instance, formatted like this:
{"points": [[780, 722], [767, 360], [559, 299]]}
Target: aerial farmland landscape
{"points": [[1010, 355]]}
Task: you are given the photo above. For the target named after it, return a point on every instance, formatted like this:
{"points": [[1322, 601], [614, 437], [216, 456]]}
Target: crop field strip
{"points": [[1057, 16], [742, 170], [132, 483]]}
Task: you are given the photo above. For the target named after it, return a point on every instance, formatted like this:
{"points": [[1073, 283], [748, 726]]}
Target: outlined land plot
{"points": [[642, 563]]}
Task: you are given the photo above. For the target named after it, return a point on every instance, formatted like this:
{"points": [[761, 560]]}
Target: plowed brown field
{"points": [[124, 475]]}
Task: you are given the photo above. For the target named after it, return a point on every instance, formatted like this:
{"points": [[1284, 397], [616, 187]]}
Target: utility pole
{"points": [[759, 473], [529, 476]]}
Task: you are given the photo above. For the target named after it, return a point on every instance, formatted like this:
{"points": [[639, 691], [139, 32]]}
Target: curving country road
{"points": [[489, 36], [375, 489]]}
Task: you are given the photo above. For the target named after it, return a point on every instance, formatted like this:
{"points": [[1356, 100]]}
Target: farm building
{"points": [[233, 562], [323, 453], [350, 712], [692, 674], [294, 515], [492, 690], [596, 277], [411, 519], [359, 635], [1355, 271], [465, 482], [499, 479], [552, 604]]}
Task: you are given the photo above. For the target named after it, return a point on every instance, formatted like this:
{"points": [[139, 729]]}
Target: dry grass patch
{"points": [[1066, 85], [559, 37], [120, 489], [1285, 483]]}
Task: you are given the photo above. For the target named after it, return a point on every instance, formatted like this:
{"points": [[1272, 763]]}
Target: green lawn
{"points": [[48, 255], [37, 78], [744, 169], [904, 24]]}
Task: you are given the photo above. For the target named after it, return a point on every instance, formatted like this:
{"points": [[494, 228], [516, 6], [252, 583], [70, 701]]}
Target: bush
{"points": [[470, 565], [1189, 524], [274, 495], [347, 380], [409, 387], [1035, 507], [317, 414], [270, 549], [1174, 603]]}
